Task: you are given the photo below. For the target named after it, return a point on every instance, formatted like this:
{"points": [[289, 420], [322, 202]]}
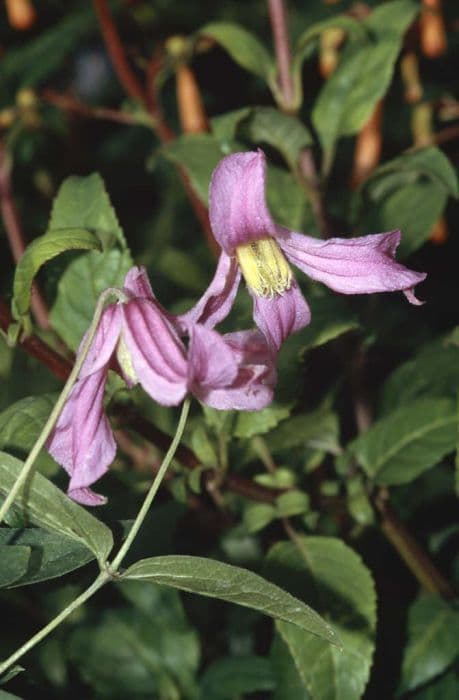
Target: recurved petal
{"points": [[211, 362], [137, 282], [157, 353], [237, 204], [360, 265], [82, 440], [280, 315], [216, 302]]}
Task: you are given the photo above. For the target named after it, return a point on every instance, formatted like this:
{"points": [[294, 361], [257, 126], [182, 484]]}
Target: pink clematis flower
{"points": [[253, 243], [235, 371]]}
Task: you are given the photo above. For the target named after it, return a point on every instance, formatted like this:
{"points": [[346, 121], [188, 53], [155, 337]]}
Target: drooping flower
{"points": [[137, 336], [252, 243]]}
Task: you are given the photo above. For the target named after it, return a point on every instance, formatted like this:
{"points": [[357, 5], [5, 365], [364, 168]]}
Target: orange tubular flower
{"points": [[368, 147], [432, 29], [21, 14], [193, 118]]}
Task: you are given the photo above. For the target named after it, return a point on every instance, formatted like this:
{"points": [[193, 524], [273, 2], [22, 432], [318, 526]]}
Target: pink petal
{"points": [[82, 440], [157, 353], [137, 282], [252, 388], [216, 302], [211, 362], [237, 206], [352, 265], [279, 316], [104, 342]]}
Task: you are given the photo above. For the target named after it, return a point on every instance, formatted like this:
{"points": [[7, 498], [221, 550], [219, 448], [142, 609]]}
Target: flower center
{"points": [[125, 362], [264, 267]]}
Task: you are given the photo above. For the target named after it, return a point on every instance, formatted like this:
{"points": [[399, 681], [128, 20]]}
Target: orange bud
{"points": [[409, 68], [368, 147], [330, 41], [432, 29], [21, 14], [440, 233], [421, 124], [192, 114], [7, 117]]}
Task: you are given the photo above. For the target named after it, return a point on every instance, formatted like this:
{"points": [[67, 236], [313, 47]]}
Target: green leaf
{"points": [[8, 696], [92, 273], [257, 516], [83, 202], [51, 554], [225, 126], [182, 269], [232, 584], [445, 688], [233, 676], [199, 154], [402, 445], [287, 201], [37, 254], [317, 429], [292, 503], [242, 46], [21, 424], [43, 504], [144, 650], [333, 575], [433, 641], [348, 98], [288, 680], [285, 133], [420, 181], [331, 318], [250, 423], [433, 372], [14, 560]]}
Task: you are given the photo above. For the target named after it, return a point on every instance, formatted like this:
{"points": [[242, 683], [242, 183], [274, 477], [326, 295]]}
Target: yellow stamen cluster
{"points": [[264, 267]]}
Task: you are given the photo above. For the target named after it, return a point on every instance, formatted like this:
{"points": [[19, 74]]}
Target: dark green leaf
{"points": [[285, 133], [232, 584], [51, 554], [8, 696], [13, 562], [79, 288], [433, 641], [400, 446], [317, 429], [250, 423], [225, 126], [348, 98], [233, 676], [288, 680], [199, 154], [83, 202], [38, 253], [258, 515], [21, 424], [287, 201], [242, 46], [445, 688], [331, 317], [43, 504], [333, 575]]}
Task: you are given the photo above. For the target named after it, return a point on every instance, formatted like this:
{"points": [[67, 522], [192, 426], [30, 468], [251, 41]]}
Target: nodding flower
{"points": [[140, 339], [254, 245]]}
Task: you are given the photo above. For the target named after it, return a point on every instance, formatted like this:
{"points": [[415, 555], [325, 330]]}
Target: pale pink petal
{"points": [[211, 362], [216, 302], [104, 342], [82, 440], [157, 353], [360, 265], [282, 314], [137, 282], [252, 388], [237, 206]]}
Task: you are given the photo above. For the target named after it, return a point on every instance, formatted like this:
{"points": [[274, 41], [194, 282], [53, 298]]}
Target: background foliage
{"points": [[344, 491]]}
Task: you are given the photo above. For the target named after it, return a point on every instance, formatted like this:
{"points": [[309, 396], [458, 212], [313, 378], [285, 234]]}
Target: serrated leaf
{"points": [[79, 288], [14, 560], [348, 97], [43, 504], [334, 576], [50, 554], [285, 133], [433, 372], [20, 425], [83, 202], [433, 641], [242, 46], [38, 253], [402, 445], [232, 677], [230, 583], [250, 423]]}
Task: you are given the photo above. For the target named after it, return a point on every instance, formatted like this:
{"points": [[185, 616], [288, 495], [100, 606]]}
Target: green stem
{"points": [[98, 583], [73, 376], [153, 488]]}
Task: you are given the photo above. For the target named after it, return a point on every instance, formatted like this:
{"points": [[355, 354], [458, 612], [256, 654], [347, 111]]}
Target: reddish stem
{"points": [[278, 18]]}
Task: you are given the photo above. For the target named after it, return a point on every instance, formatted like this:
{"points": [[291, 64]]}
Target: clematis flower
{"points": [[235, 371], [252, 243]]}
